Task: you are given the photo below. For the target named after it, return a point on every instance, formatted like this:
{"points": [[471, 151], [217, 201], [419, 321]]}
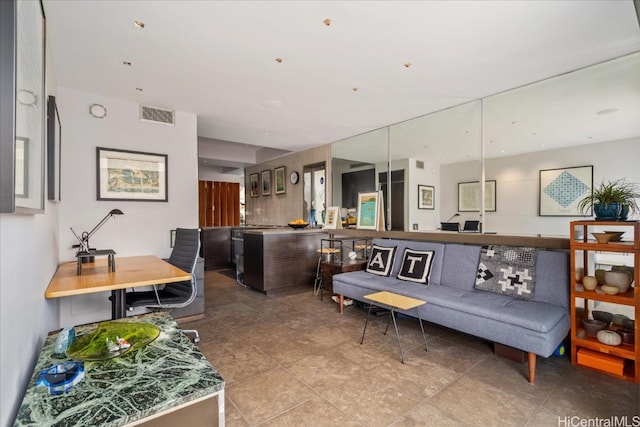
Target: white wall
{"points": [[517, 183], [28, 260], [145, 226]]}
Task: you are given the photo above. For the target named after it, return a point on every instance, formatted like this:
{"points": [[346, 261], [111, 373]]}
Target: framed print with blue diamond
{"points": [[562, 189]]}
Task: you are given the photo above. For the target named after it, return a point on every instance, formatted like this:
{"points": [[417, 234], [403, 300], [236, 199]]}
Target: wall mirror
{"points": [[585, 117], [22, 90]]}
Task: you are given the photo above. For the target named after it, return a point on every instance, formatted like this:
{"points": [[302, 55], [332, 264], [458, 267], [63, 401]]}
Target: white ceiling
{"points": [[218, 58]]}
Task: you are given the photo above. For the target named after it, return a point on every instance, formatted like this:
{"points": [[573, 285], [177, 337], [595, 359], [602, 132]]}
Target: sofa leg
{"points": [[341, 303], [532, 367]]}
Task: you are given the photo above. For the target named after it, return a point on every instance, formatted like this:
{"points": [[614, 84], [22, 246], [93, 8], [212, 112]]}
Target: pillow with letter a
{"points": [[381, 260], [416, 266]]}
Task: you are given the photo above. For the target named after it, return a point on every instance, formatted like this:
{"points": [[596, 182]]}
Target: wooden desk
{"points": [[167, 375], [97, 277]]}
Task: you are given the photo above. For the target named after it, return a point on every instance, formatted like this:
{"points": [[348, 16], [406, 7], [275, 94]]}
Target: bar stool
{"points": [[327, 253]]}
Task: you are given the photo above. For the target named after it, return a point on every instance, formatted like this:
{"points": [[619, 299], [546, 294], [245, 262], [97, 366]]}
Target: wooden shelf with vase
{"points": [[621, 361]]}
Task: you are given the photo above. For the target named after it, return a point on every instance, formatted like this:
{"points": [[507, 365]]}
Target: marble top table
{"points": [[144, 383]]}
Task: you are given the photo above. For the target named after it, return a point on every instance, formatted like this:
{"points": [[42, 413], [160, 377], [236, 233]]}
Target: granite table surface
{"points": [[143, 382]]}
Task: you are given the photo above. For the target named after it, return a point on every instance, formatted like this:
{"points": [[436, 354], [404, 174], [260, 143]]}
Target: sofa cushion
{"points": [[507, 270], [460, 265], [416, 266], [438, 256], [552, 269], [381, 260]]}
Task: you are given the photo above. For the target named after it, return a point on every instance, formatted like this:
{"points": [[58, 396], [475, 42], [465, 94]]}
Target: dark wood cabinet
{"points": [[215, 247], [277, 259], [331, 268]]}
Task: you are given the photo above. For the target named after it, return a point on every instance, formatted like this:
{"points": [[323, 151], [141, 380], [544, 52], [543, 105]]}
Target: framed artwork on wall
{"points": [[469, 196], [131, 175], [266, 182], [279, 174], [54, 147], [253, 185], [562, 189], [426, 197]]}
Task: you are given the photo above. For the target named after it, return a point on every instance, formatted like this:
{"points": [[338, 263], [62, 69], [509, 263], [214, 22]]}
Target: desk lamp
{"points": [[83, 245]]}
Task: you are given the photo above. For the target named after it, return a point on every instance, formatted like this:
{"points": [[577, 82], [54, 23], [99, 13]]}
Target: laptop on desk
{"points": [[450, 226], [471, 227]]}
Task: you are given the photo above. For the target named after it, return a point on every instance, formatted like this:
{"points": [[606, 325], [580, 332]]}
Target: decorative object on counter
{"points": [[603, 316], [627, 335], [579, 273], [590, 283], [603, 237], [298, 223], [599, 273], [66, 337], [333, 220], [593, 326], [609, 337], [112, 339], [626, 268], [612, 200], [62, 377], [609, 290], [619, 279]]}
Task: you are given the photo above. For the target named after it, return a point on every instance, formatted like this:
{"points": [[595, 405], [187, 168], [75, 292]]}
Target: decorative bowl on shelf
{"points": [[599, 273], [618, 319], [610, 289], [608, 337], [619, 279], [627, 335], [590, 283], [617, 235], [603, 316], [628, 324], [604, 237], [593, 326]]}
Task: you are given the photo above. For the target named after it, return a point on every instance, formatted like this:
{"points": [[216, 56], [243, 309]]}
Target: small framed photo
{"points": [[426, 197], [279, 174], [562, 189], [333, 220], [469, 196], [266, 182], [131, 175], [253, 185]]}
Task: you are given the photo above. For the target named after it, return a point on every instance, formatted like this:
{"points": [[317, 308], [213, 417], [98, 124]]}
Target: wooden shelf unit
{"points": [[583, 248]]}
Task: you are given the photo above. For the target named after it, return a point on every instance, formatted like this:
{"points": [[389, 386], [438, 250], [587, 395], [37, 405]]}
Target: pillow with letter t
{"points": [[416, 266]]}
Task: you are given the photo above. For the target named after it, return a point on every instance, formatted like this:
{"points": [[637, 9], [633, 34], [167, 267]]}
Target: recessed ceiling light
{"points": [[139, 89], [407, 65], [355, 89], [608, 111], [279, 60], [98, 111], [138, 24], [127, 63], [327, 22], [26, 97]]}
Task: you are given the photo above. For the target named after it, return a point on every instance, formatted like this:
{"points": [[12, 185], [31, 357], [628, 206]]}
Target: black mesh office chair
{"points": [[174, 295]]}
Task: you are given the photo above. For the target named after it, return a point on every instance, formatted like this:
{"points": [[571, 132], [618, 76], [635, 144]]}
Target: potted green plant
{"points": [[612, 200]]}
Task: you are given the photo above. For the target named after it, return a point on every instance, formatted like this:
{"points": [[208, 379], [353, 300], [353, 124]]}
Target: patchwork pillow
{"points": [[416, 266], [507, 270], [381, 260]]}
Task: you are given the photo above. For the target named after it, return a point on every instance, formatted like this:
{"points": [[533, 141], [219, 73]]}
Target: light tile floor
{"points": [[293, 360]]}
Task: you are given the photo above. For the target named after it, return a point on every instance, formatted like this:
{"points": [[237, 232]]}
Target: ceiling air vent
{"points": [[419, 164], [157, 115]]}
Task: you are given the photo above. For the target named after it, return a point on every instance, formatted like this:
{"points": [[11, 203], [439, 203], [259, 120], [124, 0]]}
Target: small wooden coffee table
{"points": [[394, 301]]}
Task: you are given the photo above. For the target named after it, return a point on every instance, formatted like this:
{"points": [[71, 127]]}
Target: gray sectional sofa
{"points": [[536, 326]]}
